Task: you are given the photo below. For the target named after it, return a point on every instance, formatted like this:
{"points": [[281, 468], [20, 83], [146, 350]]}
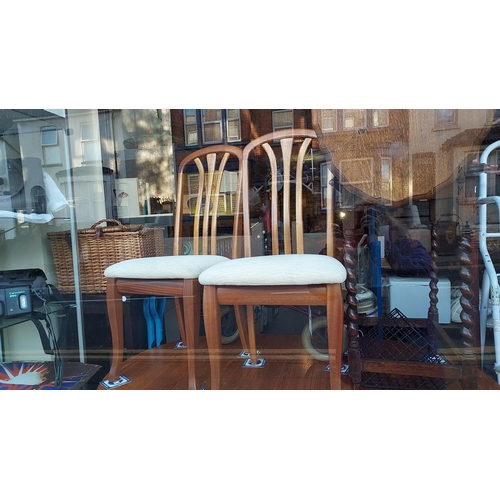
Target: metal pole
{"points": [[74, 241]]}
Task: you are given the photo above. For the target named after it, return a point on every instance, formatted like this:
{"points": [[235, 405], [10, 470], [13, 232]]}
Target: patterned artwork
{"points": [[27, 375]]}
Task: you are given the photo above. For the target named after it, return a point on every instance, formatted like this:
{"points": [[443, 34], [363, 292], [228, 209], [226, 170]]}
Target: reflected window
{"points": [[380, 117], [91, 150], [190, 127], [50, 146], [214, 126], [328, 119], [233, 125], [325, 167], [211, 126], [386, 178], [282, 119], [446, 118], [354, 118]]}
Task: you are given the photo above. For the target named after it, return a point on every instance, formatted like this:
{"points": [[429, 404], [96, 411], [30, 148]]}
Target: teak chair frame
{"points": [[329, 295], [187, 293]]}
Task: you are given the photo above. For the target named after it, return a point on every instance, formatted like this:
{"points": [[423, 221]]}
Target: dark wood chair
{"points": [[288, 276], [177, 275]]}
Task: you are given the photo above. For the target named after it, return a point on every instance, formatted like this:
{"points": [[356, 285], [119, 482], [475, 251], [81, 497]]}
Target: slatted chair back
{"points": [[283, 155], [213, 198]]}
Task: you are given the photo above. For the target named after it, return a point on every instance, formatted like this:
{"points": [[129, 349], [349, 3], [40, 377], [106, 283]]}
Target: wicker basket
{"points": [[98, 248]]}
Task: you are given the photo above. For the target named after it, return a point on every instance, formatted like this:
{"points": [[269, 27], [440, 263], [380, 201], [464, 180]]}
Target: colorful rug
{"points": [[31, 375]]}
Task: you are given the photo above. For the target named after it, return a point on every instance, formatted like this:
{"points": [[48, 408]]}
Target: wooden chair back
{"points": [[210, 165], [285, 154]]}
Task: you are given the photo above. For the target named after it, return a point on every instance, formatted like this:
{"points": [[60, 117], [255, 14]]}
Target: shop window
{"points": [[354, 119], [380, 117], [214, 126], [282, 119], [50, 146]]}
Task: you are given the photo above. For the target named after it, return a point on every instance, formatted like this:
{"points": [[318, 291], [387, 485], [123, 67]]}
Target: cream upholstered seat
{"points": [[283, 278], [177, 275], [268, 270], [169, 267]]}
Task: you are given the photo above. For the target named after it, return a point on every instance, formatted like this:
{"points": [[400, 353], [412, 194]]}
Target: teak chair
{"points": [[283, 278], [177, 275]]}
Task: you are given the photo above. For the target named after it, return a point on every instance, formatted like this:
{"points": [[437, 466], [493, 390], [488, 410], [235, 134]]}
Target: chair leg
{"points": [[115, 314], [335, 321], [191, 316], [180, 318], [251, 334], [213, 332], [242, 326]]}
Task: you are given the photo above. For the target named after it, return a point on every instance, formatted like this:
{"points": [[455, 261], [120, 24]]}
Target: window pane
{"points": [[445, 115], [233, 130], [328, 120], [380, 117], [212, 132], [91, 151], [191, 135], [189, 116], [88, 132], [49, 136], [51, 155], [283, 119], [354, 118], [211, 115], [233, 113]]}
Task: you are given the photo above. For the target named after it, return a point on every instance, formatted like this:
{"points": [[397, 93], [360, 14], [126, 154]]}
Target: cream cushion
{"points": [[163, 267], [306, 269]]}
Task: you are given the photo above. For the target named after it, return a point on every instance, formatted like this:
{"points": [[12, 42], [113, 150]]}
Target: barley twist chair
{"points": [[177, 275], [288, 276]]}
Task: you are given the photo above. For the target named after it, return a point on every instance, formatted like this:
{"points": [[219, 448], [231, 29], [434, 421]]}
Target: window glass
{"points": [[282, 119], [354, 118], [445, 116], [49, 137], [233, 125], [403, 179], [380, 117], [329, 120]]}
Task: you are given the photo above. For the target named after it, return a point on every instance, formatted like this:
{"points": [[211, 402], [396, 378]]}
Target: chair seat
{"points": [[164, 267], [269, 270]]}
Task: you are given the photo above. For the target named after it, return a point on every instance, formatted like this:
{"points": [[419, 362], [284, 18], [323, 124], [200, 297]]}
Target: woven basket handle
{"points": [[93, 226]]}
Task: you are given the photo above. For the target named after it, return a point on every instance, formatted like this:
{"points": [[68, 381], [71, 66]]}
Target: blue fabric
{"points": [[408, 257]]}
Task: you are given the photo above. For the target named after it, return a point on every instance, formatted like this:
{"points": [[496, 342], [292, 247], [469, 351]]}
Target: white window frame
{"points": [[192, 129], [51, 150], [90, 144], [211, 122], [190, 137], [237, 119]]}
